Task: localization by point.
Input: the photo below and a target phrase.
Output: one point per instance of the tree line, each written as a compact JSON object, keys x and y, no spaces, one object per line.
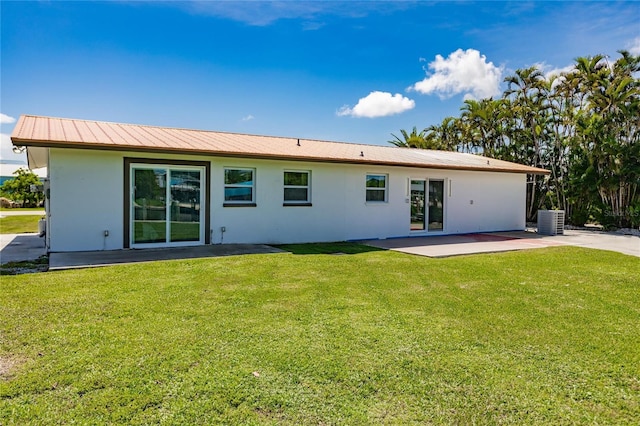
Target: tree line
{"x":19,"y":190}
{"x":582,"y":125}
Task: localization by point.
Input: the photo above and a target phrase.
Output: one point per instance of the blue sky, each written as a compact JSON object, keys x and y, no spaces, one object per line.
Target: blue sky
{"x":345,"y":71}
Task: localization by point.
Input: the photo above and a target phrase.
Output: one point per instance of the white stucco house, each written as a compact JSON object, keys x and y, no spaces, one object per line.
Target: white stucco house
{"x":118,"y":186}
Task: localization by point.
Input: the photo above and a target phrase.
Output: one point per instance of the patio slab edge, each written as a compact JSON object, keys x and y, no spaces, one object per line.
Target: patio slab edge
{"x":93,"y":259}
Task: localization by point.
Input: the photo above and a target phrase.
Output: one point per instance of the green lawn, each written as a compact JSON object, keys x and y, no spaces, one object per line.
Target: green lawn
{"x":19,"y":224}
{"x":546,"y":336}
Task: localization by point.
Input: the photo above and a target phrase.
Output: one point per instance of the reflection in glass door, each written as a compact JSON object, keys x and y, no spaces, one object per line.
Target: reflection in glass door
{"x":149,"y":206}
{"x":185,"y":205}
{"x":436,"y":205}
{"x":166,"y":205}
{"x":417,"y":205}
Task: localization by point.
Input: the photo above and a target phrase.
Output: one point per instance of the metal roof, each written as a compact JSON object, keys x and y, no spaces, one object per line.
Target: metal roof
{"x":38,"y":131}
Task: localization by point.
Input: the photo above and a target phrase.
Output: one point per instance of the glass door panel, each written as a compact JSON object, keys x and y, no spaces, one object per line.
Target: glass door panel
{"x":149,"y":206}
{"x":166,"y":205}
{"x":417,"y":205}
{"x":436,"y":205}
{"x":185,"y":205}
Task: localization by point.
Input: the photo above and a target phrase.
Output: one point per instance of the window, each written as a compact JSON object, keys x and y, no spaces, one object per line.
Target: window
{"x":296,"y":187}
{"x":377,"y":188}
{"x":239,"y":186}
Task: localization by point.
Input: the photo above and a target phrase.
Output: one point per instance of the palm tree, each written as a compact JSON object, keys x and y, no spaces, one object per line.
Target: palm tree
{"x":528,"y":128}
{"x":485,"y":121}
{"x":410,"y":140}
{"x":608,"y":130}
{"x":444,"y":136}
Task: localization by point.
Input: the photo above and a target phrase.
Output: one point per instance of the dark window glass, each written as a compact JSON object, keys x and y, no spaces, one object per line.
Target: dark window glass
{"x":238,"y":185}
{"x":375,"y":195}
{"x":296,"y":178}
{"x":377,"y":188}
{"x":238,"y":177}
{"x":295,"y":194}
{"x":376,"y":181}
{"x":296,"y":187}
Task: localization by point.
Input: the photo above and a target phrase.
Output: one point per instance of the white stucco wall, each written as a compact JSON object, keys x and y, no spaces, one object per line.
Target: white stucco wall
{"x":87,"y":199}
{"x":338,"y":211}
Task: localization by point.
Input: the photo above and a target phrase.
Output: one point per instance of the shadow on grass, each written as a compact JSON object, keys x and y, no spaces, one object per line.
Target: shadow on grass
{"x":328,"y":248}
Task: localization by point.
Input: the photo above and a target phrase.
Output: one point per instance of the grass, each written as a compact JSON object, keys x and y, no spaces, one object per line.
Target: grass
{"x":547,"y":336}
{"x":328,"y":248}
{"x":24,"y":267}
{"x":19,"y":224}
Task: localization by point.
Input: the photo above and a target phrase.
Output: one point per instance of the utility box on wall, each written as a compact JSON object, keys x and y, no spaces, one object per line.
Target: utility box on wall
{"x":551,"y":222}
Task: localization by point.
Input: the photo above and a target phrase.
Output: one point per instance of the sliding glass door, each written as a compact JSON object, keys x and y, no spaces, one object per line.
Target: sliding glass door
{"x":166,"y":205}
{"x":427,"y":207}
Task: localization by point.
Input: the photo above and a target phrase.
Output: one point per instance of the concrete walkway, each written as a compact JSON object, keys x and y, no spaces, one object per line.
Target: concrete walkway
{"x":454,"y":245}
{"x":87,"y":259}
{"x":20,"y":247}
{"x":5,"y":213}
{"x":626,"y":244}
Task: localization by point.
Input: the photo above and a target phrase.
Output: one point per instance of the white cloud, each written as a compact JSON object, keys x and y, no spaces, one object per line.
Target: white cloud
{"x":464,"y":71}
{"x":247,"y":118}
{"x":557,"y":73}
{"x":311,"y":14}
{"x":378,"y":104}
{"x":5,"y":119}
{"x":548,"y":70}
{"x":634,"y":46}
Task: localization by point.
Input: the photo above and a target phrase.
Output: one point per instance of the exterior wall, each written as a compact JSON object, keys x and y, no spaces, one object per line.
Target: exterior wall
{"x":485,"y":202}
{"x":87,"y":199}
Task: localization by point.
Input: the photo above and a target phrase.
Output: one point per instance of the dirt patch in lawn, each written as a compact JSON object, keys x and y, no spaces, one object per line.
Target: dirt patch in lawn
{"x":8,"y":366}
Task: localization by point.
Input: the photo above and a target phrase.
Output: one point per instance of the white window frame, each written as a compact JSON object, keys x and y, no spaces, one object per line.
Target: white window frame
{"x":251,"y":202}
{"x":385,"y":189}
{"x":307,"y":187}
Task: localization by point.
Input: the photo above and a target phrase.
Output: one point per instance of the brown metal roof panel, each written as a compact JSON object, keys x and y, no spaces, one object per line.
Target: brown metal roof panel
{"x":23,"y":128}
{"x":89,"y":132}
{"x":65,"y":132}
{"x":78,"y":132}
{"x":58,"y":132}
{"x":184,"y":139}
{"x":147,"y":137}
{"x":196,"y":139}
{"x":41,"y":130}
{"x":118,"y":135}
{"x":224,"y":142}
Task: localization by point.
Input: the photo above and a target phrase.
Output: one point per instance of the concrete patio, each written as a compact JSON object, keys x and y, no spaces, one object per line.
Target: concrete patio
{"x":455,"y":245}
{"x":86,"y":259}
{"x":20,"y":247}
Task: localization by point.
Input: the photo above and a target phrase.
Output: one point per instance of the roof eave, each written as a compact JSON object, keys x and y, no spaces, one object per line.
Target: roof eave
{"x":102,"y":147}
